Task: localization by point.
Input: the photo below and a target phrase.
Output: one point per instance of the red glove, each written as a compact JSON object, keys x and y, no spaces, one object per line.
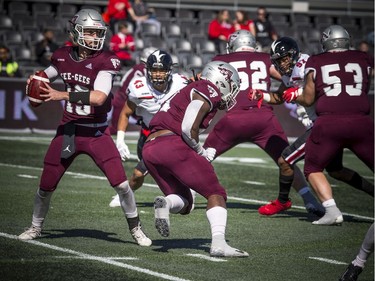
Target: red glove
{"x":256,"y":94}
{"x":291,"y":94}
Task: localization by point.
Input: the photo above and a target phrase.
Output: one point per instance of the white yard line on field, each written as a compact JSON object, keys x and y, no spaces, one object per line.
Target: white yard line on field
{"x":327,"y":260}
{"x":155,"y":186}
{"x":96,"y":258}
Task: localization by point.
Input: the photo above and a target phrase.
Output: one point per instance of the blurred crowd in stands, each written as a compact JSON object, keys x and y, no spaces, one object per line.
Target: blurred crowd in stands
{"x":31,"y":31}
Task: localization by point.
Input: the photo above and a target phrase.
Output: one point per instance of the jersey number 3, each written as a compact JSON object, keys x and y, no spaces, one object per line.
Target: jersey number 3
{"x":334,"y":82}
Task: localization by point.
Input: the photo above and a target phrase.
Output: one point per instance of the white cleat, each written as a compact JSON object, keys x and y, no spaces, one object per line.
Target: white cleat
{"x":227,"y":251}
{"x":161,"y":216}
{"x":31,"y":233}
{"x":140,"y":237}
{"x":328,"y":220}
{"x":115,"y":201}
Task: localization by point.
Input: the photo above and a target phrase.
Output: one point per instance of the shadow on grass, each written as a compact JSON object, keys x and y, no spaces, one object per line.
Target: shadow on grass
{"x":195,"y":244}
{"x":89,"y":233}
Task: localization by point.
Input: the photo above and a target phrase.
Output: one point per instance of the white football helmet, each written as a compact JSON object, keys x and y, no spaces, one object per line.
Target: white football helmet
{"x":226,"y":79}
{"x":241,"y":40}
{"x":335,"y":37}
{"x":88,"y":20}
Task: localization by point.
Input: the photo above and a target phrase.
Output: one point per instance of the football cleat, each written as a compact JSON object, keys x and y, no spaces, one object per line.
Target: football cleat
{"x":329,"y":220}
{"x":161,"y":216}
{"x":140,"y":237}
{"x":351,"y":273}
{"x":115,"y":201}
{"x":227,"y":251}
{"x":31,"y":233}
{"x":274,"y":207}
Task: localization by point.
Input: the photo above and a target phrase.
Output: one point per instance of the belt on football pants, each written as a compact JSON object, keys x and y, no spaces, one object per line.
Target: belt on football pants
{"x":161,"y":133}
{"x":93,"y":125}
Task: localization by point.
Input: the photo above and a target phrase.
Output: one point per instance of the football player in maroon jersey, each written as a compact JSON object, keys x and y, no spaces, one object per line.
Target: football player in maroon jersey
{"x":176,"y":159}
{"x":337,"y":82}
{"x":87,"y":72}
{"x":290,"y":62}
{"x":250,"y":121}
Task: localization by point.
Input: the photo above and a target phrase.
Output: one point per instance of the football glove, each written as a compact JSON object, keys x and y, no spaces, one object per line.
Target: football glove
{"x":259,"y":95}
{"x":303,"y":116}
{"x":121,"y":146}
{"x":209,"y":153}
{"x":291,"y":94}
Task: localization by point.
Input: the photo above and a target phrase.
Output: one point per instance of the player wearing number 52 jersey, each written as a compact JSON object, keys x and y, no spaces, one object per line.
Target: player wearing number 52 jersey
{"x":87,"y":72}
{"x":337,"y":81}
{"x":248,"y":121}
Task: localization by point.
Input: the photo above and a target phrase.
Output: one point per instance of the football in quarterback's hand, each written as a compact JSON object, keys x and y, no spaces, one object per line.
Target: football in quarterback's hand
{"x":33,"y":90}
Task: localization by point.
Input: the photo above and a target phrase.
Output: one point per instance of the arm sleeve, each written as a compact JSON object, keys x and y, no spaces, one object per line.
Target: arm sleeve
{"x":103,"y":82}
{"x":190,"y":116}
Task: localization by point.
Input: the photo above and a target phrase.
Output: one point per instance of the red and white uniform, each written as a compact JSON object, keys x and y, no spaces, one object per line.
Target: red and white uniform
{"x":147,"y":99}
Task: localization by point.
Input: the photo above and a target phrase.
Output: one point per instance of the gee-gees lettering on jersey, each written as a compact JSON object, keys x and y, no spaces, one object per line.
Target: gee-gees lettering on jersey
{"x":341,"y":82}
{"x":80,"y":76}
{"x":172,"y":112}
{"x":253,"y":69}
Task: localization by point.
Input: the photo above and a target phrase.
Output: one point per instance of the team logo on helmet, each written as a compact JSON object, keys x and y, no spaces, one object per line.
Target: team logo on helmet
{"x":227,"y":73}
{"x":159,"y":62}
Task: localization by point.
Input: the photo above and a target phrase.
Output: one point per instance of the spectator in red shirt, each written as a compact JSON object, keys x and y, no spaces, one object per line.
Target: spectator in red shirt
{"x":220,"y":28}
{"x":119,"y":10}
{"x":122,"y":44}
{"x":242,"y":21}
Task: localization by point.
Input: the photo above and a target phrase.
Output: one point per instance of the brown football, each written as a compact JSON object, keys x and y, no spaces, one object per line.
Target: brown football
{"x":33,"y":90}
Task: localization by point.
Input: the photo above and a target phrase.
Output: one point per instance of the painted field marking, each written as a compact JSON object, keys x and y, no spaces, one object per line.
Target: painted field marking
{"x":327,"y":260}
{"x":155,"y":186}
{"x":200,"y":256}
{"x":96,"y":258}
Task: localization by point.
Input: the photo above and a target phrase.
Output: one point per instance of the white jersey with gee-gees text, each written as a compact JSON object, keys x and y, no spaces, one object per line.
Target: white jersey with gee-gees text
{"x":147,"y":99}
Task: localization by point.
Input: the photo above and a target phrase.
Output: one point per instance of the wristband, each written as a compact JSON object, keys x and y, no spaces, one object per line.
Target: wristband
{"x":266,"y":97}
{"x":120,"y":135}
{"x":80,"y":97}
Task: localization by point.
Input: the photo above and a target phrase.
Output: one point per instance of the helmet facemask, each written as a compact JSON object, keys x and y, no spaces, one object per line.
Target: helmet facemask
{"x":90,"y":37}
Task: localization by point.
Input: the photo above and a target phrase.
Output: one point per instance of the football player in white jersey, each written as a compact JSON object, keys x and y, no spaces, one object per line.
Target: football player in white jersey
{"x":290,"y":62}
{"x":145,"y":96}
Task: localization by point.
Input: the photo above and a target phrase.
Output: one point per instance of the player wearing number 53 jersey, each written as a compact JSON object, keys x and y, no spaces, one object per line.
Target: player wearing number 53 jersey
{"x":248,"y":122}
{"x":337,"y":81}
{"x":87,"y":72}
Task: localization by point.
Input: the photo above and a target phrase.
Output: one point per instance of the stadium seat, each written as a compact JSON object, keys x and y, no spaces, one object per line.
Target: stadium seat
{"x":277,"y":18}
{"x":156,"y":42}
{"x":66,"y":10}
{"x":38,"y":9}
{"x":13,"y":38}
{"x":182,"y":46}
{"x":206,"y":47}
{"x":18,"y":8}
{"x":25,"y":22}
{"x":193,"y":62}
{"x":183,"y":15}
{"x":6,"y":23}
{"x":162,"y":14}
{"x":149,"y":30}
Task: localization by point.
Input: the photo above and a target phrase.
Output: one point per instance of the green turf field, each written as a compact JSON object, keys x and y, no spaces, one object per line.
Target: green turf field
{"x":84,"y":239}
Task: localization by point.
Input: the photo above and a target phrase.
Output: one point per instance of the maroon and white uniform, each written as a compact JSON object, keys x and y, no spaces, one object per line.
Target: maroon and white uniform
{"x":121,"y":96}
{"x":175,"y":166}
{"x":342,"y":81}
{"x":245,"y":122}
{"x":91,"y":134}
